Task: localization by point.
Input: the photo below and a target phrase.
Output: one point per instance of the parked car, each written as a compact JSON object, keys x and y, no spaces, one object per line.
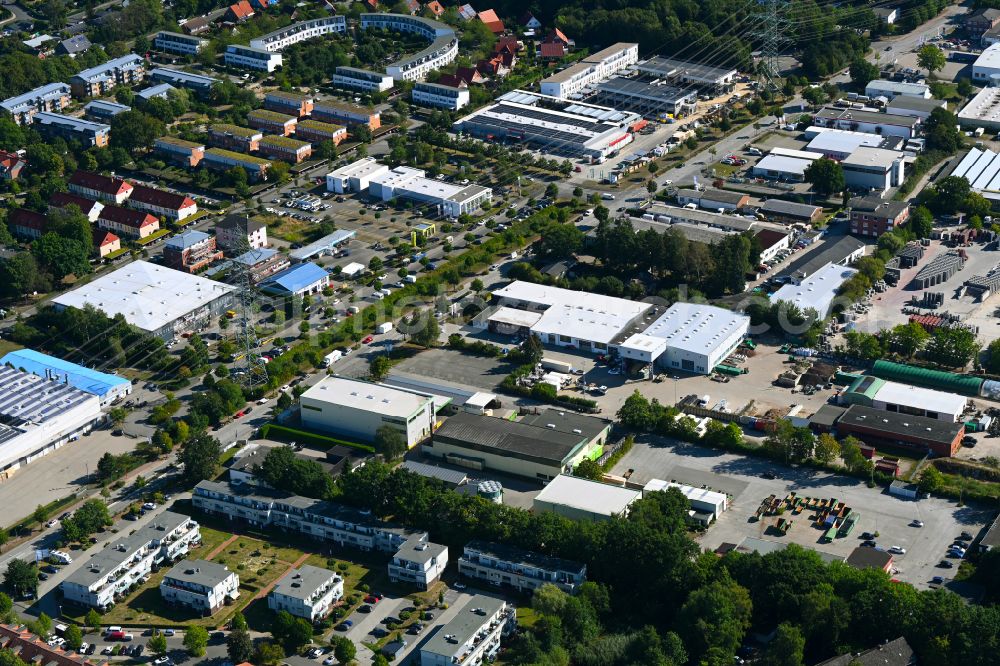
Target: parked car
{"x":937,"y":580}
{"x":897,"y":550}
{"x":365,"y":609}
{"x":169,"y":632}
{"x":945,"y":564}
{"x":345,"y":625}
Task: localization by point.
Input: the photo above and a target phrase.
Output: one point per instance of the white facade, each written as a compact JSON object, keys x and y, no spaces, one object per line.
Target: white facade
{"x":582,"y":499}
{"x":590,"y":322}
{"x":248,"y":57}
{"x":701,"y":500}
{"x":817,"y":291}
{"x":472,"y":637}
{"x":39,"y":415}
{"x":174,"y":42}
{"x":591,"y":70}
{"x":354,"y":177}
{"x":837,"y":144}
{"x":358,"y":409}
{"x":442,"y":50}
{"x":874,"y":169}
{"x":987,"y":65}
{"x":299,"y":32}
{"x":200,"y":585}
{"x":918,"y":401}
{"x":362,"y":79}
{"x":696,"y":338}
{"x":419,"y":563}
{"x":892,"y":89}
{"x":308,"y":592}
{"x":523,"y":570}
{"x":109,"y":574}
{"x":444,"y":97}
{"x":450,"y":200}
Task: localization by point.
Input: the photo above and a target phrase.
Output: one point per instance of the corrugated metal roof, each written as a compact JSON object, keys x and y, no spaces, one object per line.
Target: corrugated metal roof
{"x":945,"y":381}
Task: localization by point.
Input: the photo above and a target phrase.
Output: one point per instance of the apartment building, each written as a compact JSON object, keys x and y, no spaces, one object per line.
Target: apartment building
{"x":233,"y":232}
{"x":220,"y":160}
{"x":109,"y":574}
{"x":176,"y":42}
{"x":418,"y":563}
{"x":285,"y":149}
{"x":873,"y":216}
{"x":234,"y":137}
{"x":191,"y":251}
{"x":316,"y":131}
{"x":27,"y":224}
{"x":272,"y":121}
{"x":442,"y":50}
{"x":161,"y":203}
{"x":179,"y":151}
{"x":92,"y":209}
{"x":107,"y":189}
{"x":308,"y":592}
{"x":347,"y":114}
{"x":365,"y":80}
{"x":298,"y":32}
{"x":127,"y":223}
{"x":319,"y":520}
{"x":440,"y":96}
{"x":87,"y":132}
{"x":247,"y":57}
{"x":101,"y":80}
{"x":200,"y":585}
{"x":473,"y":636}
{"x":198,"y":83}
{"x":296,"y":104}
{"x":523,"y":570}
{"x":22,"y":108}
{"x":102,"y":109}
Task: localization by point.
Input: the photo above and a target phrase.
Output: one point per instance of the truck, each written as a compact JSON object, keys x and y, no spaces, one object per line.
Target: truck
{"x":384,"y":327}
{"x":332,"y":358}
{"x":558,"y":366}
{"x":410,"y":279}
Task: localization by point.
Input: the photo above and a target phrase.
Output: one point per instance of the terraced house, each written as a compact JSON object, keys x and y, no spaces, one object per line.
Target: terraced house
{"x":285,"y":149}
{"x":220,"y":160}
{"x":179,"y":151}
{"x":234,"y":137}
{"x":127,"y":223}
{"x":289,"y":102}
{"x":112,"y":572}
{"x":272,"y":121}
{"x":316,"y":131}
{"x":161,"y":203}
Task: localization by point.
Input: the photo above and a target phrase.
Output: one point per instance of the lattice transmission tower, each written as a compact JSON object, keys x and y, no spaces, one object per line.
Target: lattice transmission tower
{"x":773,"y":37}
{"x":255,"y":370}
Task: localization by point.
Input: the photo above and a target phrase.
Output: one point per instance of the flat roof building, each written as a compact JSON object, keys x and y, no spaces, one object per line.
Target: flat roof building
{"x":886,"y":124}
{"x":818,"y":291}
{"x":591,"y":70}
{"x":357,"y":409}
{"x":582,"y":499}
{"x":39,"y":415}
{"x":308,"y":592}
{"x":893,"y":89}
{"x":247,"y":57}
{"x":418,"y":563}
{"x":444,"y":199}
{"x":713,"y":199}
{"x":108,"y":388}
{"x":442,"y":50}
{"x":325,"y":245}
{"x":646,"y":98}
{"x":688,"y":72}
{"x":503,"y":565}
{"x":880,"y":427}
{"x":298,"y":280}
{"x":790,"y":212}
{"x":439,"y":96}
{"x":837,"y":144}
{"x":72,"y":128}
{"x":983,"y":110}
{"x":552,"y":125}
{"x":918,"y":107}
{"x":987,"y":66}
{"x":102,"y":109}
{"x":534,"y":448}
{"x":282,"y":38}
{"x":200,"y":585}
{"x":783,"y":167}
{"x":364,"y":80}
{"x":981,"y":168}
{"x":873,"y":169}
{"x":157,"y":300}
{"x":176,"y":42}
{"x":197,"y":82}
{"x":905,"y":399}
{"x":356,"y":176}
{"x":472,"y":636}
{"x":706,"y":505}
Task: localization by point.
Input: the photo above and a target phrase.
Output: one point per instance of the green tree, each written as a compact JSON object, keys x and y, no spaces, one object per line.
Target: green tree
{"x":4,"y":538}
{"x":157,"y":644}
{"x":952,"y":347}
{"x":863,"y":72}
{"x":560,"y":241}
{"x":74,"y":637}
{"x":343,"y":649}
{"x":921,"y":222}
{"x":424,"y":329}
{"x":389,"y":442}
{"x":196,"y":640}
{"x":850,"y":451}
{"x":239,"y":645}
{"x":93,"y":619}
{"x":291,"y":632}
{"x":61,"y":256}
{"x":714,"y":620}
{"x":941,"y":129}
{"x":931,"y":58}
{"x":201,"y":458}
{"x":379,"y":367}
{"x":787,"y":648}
{"x":635,"y":412}
{"x":908,"y":339}
{"x":589,"y":469}
{"x":826,"y":176}
{"x":40,"y":515}
{"x":533,"y":349}
{"x":931,"y":480}
{"x":134,"y":130}
{"x":827,"y":448}
{"x":21,"y":577}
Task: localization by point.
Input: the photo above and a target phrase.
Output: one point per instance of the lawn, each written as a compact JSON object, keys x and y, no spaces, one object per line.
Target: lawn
{"x":7,"y":346}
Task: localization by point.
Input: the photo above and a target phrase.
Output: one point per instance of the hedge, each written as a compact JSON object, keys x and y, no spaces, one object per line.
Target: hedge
{"x":286,"y":434}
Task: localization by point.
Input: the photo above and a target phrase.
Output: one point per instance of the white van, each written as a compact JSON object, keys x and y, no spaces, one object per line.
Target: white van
{"x":608,"y":197}
{"x":449,"y":239}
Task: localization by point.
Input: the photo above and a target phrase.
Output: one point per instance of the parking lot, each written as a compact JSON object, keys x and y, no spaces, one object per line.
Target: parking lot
{"x":741,"y":477}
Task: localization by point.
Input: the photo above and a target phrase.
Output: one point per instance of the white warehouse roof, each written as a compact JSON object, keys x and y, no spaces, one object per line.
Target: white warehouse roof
{"x":367,"y":397}
{"x":921,"y":398}
{"x":148,"y":296}
{"x":590,"y":496}
{"x":696,"y":328}
{"x":782,"y":164}
{"x":693,"y":494}
{"x":515,"y":317}
{"x":818,"y":290}
{"x":843,"y":141}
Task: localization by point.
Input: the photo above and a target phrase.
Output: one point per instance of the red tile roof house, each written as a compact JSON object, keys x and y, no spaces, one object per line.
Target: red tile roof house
{"x":470,"y":75}
{"x":452,"y":81}
{"x":128,"y":223}
{"x":102,"y":188}
{"x":507,"y":44}
{"x":106,"y":242}
{"x":11,"y":165}
{"x":172,"y":206}
{"x":30,"y":649}
{"x":435,"y":7}
{"x":494,"y":67}
{"x":551,"y":50}
{"x":412,"y":5}
{"x":89,"y":207}
{"x":239,"y":12}
{"x":492,"y":21}
{"x":27,"y":224}
{"x":559,"y":36}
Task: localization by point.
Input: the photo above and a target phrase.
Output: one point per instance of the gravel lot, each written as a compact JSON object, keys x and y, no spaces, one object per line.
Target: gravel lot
{"x":740,"y":477}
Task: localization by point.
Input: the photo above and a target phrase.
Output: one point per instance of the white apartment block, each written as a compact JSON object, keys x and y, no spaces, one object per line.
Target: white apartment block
{"x":501,"y":565}
{"x":175,"y":42}
{"x":109,"y":574}
{"x":361,"y":79}
{"x":234,"y":232}
{"x":299,"y":32}
{"x":473,"y":636}
{"x":200,"y":585}
{"x":442,"y":50}
{"x":248,"y":57}
{"x":591,"y":70}
{"x":440,"y":96}
{"x":308,"y":592}
{"x":419,"y":563}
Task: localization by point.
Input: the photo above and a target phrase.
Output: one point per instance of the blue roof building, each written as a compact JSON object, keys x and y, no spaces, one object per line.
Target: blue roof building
{"x":106,"y":387}
{"x":301,"y":279}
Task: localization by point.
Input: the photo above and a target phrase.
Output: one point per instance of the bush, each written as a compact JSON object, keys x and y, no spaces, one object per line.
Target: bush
{"x":285,"y":434}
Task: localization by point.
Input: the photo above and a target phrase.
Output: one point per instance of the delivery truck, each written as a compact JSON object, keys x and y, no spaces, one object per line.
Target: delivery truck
{"x":332,"y":358}
{"x":558,"y":366}
{"x":384,"y":327}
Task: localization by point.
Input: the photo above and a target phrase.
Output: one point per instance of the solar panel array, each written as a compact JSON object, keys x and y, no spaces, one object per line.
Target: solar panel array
{"x":981,"y":168}
{"x":27,"y":398}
